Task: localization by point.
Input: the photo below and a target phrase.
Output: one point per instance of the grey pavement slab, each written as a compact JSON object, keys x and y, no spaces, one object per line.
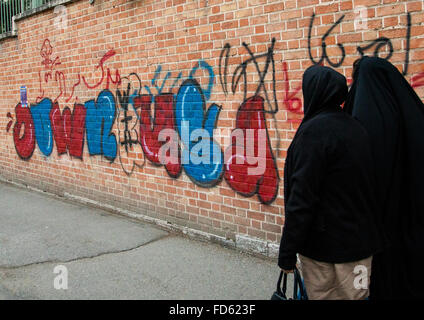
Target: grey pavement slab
{"x":173,"y":268}
{"x":112,"y":257}
{"x":37,"y":228}
{"x":6,"y":294}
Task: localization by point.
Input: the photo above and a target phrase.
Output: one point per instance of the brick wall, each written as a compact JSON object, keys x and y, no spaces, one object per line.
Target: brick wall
{"x":102,"y":80}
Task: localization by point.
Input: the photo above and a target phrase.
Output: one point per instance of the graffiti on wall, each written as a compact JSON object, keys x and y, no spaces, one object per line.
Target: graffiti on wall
{"x":417,"y":80}
{"x":189,"y":118}
{"x":378,"y":44}
{"x":50,"y":72}
{"x":240,"y":164}
{"x":176,"y":119}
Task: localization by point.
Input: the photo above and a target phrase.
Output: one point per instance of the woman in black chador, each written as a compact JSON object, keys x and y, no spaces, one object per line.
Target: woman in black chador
{"x":328,"y":194}
{"x":393,"y":115}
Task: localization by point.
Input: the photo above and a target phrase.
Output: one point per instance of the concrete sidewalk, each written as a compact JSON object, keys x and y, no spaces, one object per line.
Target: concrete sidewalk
{"x":112,"y":257}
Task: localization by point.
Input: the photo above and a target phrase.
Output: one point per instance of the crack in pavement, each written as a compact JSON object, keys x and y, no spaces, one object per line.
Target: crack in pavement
{"x":9,"y":268}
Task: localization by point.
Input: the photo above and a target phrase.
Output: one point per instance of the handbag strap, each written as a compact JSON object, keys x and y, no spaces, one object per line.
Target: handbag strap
{"x":295,"y":284}
{"x":283,"y":277}
{"x":298,"y":284}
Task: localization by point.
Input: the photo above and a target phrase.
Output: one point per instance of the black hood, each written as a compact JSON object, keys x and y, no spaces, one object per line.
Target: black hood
{"x":323,"y":89}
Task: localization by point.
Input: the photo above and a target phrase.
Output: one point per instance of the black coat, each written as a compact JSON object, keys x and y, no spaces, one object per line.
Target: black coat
{"x":393,"y":115}
{"x":329,"y":183}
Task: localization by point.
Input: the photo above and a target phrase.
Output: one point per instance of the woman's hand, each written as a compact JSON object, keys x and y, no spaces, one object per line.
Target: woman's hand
{"x":287,"y":271}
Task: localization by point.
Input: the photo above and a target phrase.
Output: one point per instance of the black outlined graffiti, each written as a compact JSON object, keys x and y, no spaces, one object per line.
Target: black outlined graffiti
{"x":324,"y":45}
{"x":241,"y":72}
{"x":379,"y":44}
{"x":224,"y":73}
{"x":384,"y":41}
{"x":408,"y":44}
{"x":251,"y":116}
{"x":129,"y":142}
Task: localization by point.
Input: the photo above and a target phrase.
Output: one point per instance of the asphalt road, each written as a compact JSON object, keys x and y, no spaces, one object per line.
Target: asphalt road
{"x":112,"y":257}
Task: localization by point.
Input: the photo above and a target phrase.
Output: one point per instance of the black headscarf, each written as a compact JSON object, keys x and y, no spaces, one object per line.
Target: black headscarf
{"x":393,"y":114}
{"x":323,"y":89}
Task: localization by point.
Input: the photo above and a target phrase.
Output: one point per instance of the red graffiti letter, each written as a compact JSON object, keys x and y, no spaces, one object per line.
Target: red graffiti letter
{"x":251,"y":117}
{"x":150,"y":128}
{"x":25,"y":145}
{"x":68,"y":129}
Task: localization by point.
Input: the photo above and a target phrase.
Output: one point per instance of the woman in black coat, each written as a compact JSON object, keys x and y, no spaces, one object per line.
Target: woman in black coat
{"x":329,"y":194}
{"x":393,"y":115}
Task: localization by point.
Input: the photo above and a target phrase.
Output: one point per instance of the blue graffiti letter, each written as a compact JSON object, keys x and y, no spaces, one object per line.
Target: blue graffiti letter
{"x":190,"y":116}
{"x":99,"y":121}
{"x":43,"y":129}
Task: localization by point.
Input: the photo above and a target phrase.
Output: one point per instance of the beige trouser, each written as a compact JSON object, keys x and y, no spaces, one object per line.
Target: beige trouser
{"x":336,"y":281}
